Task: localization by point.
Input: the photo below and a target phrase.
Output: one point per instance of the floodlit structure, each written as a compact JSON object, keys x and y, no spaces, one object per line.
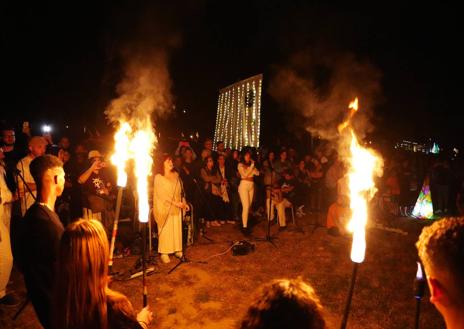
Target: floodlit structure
{"x":238,"y":114}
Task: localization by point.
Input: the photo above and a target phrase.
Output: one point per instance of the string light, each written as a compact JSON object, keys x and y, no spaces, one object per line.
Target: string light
{"x":218,"y":117}
{"x":259,"y":110}
{"x":238,"y":118}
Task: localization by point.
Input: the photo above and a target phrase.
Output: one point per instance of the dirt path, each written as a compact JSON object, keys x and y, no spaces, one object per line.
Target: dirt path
{"x":216,"y":294}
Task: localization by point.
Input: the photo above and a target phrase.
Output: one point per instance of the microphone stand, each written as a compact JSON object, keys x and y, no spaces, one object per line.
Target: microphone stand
{"x":18,"y":174}
{"x":268,"y":237}
{"x":183,"y":259}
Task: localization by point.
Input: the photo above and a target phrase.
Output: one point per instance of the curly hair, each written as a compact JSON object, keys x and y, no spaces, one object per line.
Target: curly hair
{"x":285,"y":304}
{"x":441,"y":247}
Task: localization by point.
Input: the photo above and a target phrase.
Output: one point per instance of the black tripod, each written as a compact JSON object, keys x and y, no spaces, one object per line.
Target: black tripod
{"x":268,"y":237}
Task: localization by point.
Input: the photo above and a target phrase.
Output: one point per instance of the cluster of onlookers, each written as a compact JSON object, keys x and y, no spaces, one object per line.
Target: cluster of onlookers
{"x":405,"y":176}
{"x":228,"y":185}
{"x":62,"y":206}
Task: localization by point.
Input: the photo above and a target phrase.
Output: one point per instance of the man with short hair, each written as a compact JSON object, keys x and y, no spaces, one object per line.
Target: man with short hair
{"x":26,"y":185}
{"x":441,"y":250}
{"x":40,"y":234}
{"x":12,"y":156}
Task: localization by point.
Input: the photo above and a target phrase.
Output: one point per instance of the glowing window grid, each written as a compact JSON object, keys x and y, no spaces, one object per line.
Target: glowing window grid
{"x":238,"y":116}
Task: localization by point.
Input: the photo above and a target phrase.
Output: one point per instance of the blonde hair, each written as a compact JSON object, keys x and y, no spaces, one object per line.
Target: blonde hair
{"x":441,"y":248}
{"x":81,"y":293}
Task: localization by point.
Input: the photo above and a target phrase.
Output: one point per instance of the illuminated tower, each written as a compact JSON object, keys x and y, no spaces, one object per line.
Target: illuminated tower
{"x":238,"y":114}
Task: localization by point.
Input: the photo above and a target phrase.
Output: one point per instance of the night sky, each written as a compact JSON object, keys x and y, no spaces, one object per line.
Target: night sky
{"x":62,"y":62}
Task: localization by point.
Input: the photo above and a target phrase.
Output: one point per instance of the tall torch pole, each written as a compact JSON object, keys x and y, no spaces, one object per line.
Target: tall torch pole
{"x":115,"y":228}
{"x":119,"y":159}
{"x":364,"y":164}
{"x":142,"y":145}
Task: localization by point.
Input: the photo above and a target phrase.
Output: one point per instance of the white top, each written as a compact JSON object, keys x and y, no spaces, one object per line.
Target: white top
{"x":23,"y":167}
{"x":247,"y":172}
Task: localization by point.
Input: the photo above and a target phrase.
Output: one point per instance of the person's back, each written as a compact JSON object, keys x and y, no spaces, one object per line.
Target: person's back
{"x":285,"y":304}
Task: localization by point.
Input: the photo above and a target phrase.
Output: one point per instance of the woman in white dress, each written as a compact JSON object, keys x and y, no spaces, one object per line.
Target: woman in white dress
{"x":168,"y":205}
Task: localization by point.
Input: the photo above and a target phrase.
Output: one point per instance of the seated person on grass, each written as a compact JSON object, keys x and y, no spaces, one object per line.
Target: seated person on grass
{"x":339,"y":211}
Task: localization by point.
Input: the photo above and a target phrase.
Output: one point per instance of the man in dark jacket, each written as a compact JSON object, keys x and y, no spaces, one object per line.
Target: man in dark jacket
{"x":40,"y":236}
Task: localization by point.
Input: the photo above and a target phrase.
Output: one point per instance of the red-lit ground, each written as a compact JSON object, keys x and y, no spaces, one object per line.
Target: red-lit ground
{"x":216,"y":294}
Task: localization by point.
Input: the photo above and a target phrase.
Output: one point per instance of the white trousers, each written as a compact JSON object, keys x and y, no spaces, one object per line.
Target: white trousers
{"x":246,"y":190}
{"x":280,"y":210}
{"x":6,"y":258}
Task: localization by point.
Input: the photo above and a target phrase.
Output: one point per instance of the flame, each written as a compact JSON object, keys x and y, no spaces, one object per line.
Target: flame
{"x":121,"y":152}
{"x":142,"y":146}
{"x":419,"y":273}
{"x":353,"y":106}
{"x":364,"y":164}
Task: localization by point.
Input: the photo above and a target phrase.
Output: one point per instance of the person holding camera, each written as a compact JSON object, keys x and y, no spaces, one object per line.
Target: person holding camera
{"x":96,"y":190}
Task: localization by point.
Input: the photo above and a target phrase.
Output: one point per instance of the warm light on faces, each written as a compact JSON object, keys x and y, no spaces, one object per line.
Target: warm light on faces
{"x":8,"y":137}
{"x":38,"y":150}
{"x":168,"y":165}
{"x":55,"y":177}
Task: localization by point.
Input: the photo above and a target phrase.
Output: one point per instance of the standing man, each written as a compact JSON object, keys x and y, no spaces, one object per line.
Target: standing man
{"x":96,"y":189}
{"x":441,"y":250}
{"x":40,"y":233}
{"x":12,"y":155}
{"x":27,"y":187}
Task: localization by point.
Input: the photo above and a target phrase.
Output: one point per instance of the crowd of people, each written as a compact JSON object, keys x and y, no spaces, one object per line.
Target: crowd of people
{"x":61,"y":200}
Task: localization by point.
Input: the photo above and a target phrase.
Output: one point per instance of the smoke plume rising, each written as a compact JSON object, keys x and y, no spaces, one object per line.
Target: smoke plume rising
{"x":318,"y":86}
{"x":144,"y":46}
{"x":145,"y":90}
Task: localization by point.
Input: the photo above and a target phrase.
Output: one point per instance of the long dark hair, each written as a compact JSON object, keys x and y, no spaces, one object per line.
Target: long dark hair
{"x":159,"y":163}
{"x":245,"y":152}
{"x":285,"y":304}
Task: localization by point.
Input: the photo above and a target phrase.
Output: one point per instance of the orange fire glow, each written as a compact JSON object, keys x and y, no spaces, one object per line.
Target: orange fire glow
{"x":142,"y":146}
{"x":121,"y":152}
{"x":138,"y":144}
{"x":363,"y":165}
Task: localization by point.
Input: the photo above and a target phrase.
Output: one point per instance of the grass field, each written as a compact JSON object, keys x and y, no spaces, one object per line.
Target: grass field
{"x":216,"y":294}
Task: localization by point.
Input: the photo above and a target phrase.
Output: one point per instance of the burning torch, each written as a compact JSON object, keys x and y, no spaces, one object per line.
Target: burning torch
{"x":364,"y":163}
{"x":419,"y":289}
{"x":119,"y":159}
{"x":142,"y":146}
